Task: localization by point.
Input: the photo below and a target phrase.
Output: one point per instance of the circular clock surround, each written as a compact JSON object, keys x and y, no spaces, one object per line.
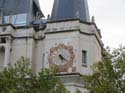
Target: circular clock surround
{"x":61,"y":57}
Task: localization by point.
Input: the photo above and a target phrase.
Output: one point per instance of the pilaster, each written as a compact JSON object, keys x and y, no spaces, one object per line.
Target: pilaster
{"x":7,"y":51}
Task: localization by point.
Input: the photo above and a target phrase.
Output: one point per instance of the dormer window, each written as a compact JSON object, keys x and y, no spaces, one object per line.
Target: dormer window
{"x":17,"y":20}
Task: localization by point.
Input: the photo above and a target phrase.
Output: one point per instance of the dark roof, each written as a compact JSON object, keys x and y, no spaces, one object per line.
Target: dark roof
{"x":37,"y":3}
{"x":17,"y":6}
{"x":14,"y":7}
{"x":1,"y":2}
{"x":69,"y":9}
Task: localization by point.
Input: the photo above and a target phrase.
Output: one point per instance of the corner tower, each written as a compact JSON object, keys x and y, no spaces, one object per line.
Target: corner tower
{"x":72,"y":43}
{"x":70,"y":9}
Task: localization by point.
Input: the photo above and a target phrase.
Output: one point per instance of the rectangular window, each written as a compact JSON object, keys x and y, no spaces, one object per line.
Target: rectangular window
{"x":6,"y":19}
{"x":84,"y":57}
{"x":16,"y":20}
{"x":20,"y":19}
{"x":43,"y":60}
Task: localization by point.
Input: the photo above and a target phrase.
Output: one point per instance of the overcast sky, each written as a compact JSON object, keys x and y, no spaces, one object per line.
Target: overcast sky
{"x":109,"y":17}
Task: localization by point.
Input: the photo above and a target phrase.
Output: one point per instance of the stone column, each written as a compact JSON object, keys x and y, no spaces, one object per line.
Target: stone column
{"x":7,"y":51}
{"x":2,"y":60}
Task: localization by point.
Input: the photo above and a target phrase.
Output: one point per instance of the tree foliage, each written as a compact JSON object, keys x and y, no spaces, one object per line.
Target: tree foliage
{"x":49,"y":83}
{"x":19,"y":78}
{"x":109,"y":74}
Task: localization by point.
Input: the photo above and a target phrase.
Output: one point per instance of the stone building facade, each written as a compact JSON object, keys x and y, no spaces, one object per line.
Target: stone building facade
{"x":72,"y":45}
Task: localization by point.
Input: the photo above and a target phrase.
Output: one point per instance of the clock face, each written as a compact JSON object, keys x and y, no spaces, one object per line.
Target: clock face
{"x":61,"y":56}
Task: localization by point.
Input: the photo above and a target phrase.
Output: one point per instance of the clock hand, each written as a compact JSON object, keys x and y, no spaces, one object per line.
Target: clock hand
{"x":62,"y":58}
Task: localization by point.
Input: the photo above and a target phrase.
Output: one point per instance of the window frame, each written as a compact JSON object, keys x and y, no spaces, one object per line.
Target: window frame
{"x":84,"y":58}
{"x":16,"y":20}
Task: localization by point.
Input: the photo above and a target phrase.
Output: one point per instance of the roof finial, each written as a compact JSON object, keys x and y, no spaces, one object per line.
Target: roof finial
{"x":93,"y":19}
